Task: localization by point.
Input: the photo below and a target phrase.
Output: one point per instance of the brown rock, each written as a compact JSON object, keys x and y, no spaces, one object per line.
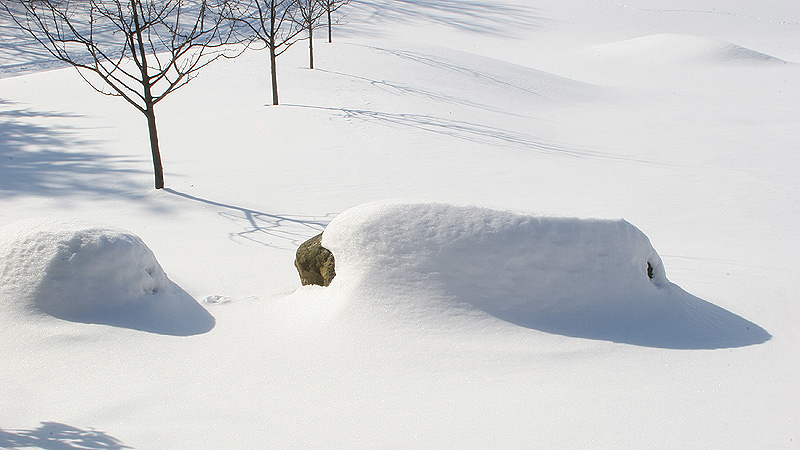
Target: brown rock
{"x":314,"y":263}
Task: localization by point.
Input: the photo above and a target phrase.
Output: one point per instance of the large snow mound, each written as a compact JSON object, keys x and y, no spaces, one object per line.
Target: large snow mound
{"x":671,"y":48}
{"x":93,"y":274}
{"x":598,"y":279}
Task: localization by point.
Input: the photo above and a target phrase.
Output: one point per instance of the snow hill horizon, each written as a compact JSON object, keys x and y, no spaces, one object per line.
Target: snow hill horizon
{"x":558,"y":224}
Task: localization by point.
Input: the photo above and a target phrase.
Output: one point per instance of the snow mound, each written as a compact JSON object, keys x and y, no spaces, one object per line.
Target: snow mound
{"x":670,"y":48}
{"x":93,"y":274}
{"x":598,"y":279}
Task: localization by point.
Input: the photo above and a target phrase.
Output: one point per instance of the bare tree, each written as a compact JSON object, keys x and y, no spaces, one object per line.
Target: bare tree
{"x":139,"y":50}
{"x":306,"y":15}
{"x":268,"y":22}
{"x":330,"y":7}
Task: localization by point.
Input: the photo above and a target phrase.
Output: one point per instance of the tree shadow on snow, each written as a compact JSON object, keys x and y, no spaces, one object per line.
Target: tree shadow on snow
{"x":398,"y":88}
{"x":20,"y":52}
{"x":474,"y":132}
{"x":281,"y":231}
{"x":38,"y":159}
{"x":444,"y":65}
{"x":58,"y":436}
{"x":491,"y":18}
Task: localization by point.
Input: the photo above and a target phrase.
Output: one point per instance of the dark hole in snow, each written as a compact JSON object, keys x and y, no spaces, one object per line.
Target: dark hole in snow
{"x":649,"y":270}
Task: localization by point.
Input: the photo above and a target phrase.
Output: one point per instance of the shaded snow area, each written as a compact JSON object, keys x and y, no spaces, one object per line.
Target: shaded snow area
{"x":598,"y":279}
{"x":92,"y":275}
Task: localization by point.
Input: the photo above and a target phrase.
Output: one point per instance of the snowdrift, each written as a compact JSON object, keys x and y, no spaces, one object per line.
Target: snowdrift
{"x":598,"y":279}
{"x":674,"y":48}
{"x":93,"y":274}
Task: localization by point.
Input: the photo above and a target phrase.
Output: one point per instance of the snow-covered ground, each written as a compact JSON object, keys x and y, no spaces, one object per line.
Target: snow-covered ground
{"x":502,"y":303}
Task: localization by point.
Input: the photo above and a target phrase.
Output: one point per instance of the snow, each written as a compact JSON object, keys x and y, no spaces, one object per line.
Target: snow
{"x":501,"y":304}
{"x":598,"y":279}
{"x":672,"y":48}
{"x":93,"y":274}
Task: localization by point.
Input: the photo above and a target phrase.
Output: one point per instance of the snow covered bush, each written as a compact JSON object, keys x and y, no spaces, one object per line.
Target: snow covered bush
{"x":590,"y":278}
{"x":93,"y":274}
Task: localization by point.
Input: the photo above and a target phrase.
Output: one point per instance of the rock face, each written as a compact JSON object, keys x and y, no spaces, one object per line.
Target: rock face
{"x":314,"y":263}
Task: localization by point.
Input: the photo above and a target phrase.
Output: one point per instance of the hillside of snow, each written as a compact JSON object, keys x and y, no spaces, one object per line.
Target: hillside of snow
{"x":557,"y":224}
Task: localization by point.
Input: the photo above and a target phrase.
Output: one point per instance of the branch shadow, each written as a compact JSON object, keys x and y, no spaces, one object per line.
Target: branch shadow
{"x":397,"y":88}
{"x":270,"y":230}
{"x":20,"y":53}
{"x":474,"y":132}
{"x":447,"y":66}
{"x":492,"y":18}
{"x":48,"y":159}
{"x":58,"y":436}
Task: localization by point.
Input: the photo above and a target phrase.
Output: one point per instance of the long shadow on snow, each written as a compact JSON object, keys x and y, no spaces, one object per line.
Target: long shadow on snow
{"x":472,"y":132}
{"x":397,"y":88}
{"x":448,"y":66}
{"x":39,"y":159}
{"x":665,"y":317}
{"x":683,"y":322}
{"x":264,"y":228}
{"x":491,"y":18}
{"x":58,"y":436}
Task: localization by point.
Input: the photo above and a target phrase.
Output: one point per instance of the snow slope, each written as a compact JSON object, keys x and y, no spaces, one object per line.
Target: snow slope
{"x":666,"y":113}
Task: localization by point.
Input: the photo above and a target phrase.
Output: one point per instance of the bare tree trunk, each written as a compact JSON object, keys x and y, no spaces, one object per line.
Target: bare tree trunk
{"x":311,"y":47}
{"x":158,"y":169}
{"x":149,"y":106}
{"x":272,"y":44}
{"x":330,"y":34}
{"x":274,"y":73}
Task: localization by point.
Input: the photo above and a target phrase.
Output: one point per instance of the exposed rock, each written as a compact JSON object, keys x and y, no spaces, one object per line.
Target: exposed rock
{"x":314,"y":262}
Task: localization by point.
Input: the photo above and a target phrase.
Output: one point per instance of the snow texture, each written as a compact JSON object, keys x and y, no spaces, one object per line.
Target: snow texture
{"x":93,"y":274}
{"x":598,"y":279}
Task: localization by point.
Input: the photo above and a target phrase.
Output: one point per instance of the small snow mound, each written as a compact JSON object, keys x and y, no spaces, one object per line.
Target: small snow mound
{"x":671,"y":48}
{"x":92,"y":274}
{"x":590,"y":278}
